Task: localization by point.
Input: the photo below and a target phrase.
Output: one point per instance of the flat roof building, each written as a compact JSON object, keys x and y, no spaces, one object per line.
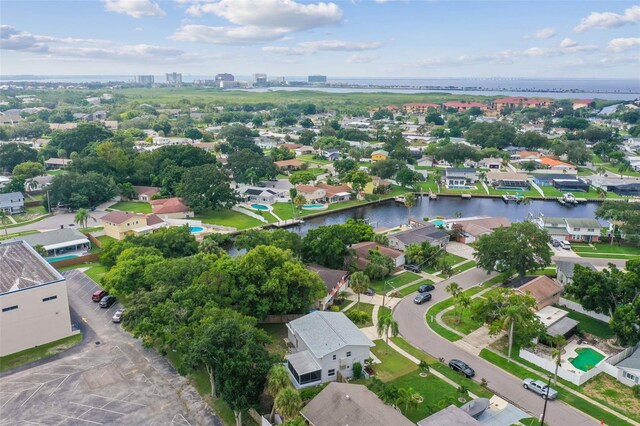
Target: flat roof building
{"x":317,"y":79}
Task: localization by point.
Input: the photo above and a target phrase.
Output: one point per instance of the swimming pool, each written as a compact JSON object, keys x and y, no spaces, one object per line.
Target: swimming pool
{"x":461,"y":187}
{"x":195,"y":229}
{"x":510,"y":188}
{"x":313,"y":207}
{"x":438,"y":222}
{"x":59,"y":258}
{"x":587,"y":359}
{"x":260,"y":207}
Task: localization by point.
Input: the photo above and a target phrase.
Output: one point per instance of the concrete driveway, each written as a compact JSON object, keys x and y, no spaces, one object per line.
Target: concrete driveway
{"x":411,"y":319}
{"x":109,"y":379}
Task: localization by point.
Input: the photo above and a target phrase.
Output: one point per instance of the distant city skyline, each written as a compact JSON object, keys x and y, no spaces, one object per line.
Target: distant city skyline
{"x":376,"y":38}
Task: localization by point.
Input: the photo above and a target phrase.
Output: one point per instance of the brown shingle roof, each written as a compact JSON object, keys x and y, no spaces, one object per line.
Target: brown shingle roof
{"x":285,"y":163}
{"x":168,"y":205}
{"x":119,"y":217}
{"x":362,"y":249}
{"x":540,"y":288}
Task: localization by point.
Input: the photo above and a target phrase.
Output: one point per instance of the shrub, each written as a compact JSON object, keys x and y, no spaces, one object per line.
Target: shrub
{"x":358,"y":317}
{"x":635,"y":388}
{"x":357,"y":370}
{"x":371,"y":197}
{"x":334,"y":308}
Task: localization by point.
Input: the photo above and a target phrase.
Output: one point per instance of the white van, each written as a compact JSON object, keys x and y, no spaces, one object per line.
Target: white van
{"x":565,"y":245}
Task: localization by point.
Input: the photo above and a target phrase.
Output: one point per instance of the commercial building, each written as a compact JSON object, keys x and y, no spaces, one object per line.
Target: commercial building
{"x":224,"y":77}
{"x":34,"y":307}
{"x":173,"y":78}
{"x":144,"y":79}
{"x":317,"y":79}
{"x":260,"y":79}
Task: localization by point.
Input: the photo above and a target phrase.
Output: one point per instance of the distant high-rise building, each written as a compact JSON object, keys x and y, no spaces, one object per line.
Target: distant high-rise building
{"x":143,"y":79}
{"x":225,"y":77}
{"x":278,"y":80}
{"x":260,"y":78}
{"x":205,"y":82}
{"x":174,"y":78}
{"x":317,"y":79}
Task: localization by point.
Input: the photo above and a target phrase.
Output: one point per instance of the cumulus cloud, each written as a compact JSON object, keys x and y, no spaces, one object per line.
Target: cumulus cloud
{"x":311,"y":47}
{"x":361,"y":59}
{"x":12,"y":38}
{"x":543,"y":33}
{"x":622,"y":44}
{"x":253,"y":21}
{"x":134,"y":8}
{"x":605,"y":20}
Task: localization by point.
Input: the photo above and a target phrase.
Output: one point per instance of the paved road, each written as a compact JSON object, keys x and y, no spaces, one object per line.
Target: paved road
{"x":109,"y":379}
{"x":410,"y":318}
{"x":55,"y":221}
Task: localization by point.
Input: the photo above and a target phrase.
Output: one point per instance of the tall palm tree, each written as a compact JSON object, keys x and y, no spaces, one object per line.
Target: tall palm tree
{"x":463,"y":302}
{"x":623,"y":167}
{"x":288,"y":402}
{"x":277,"y":379}
{"x":453,"y":289}
{"x":387,"y":325}
{"x":510,"y":316}
{"x":558,"y":345}
{"x":3,"y":215}
{"x":407,"y":398}
{"x":409,"y":202}
{"x":82,"y":217}
{"x":359,"y":283}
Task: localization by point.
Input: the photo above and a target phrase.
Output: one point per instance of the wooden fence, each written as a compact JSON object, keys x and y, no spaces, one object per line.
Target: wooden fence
{"x":92,"y":257}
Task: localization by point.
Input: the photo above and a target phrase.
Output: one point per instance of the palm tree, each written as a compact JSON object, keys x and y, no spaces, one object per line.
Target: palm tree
{"x":556,"y":353}
{"x":463,"y":302}
{"x":601,"y":170}
{"x":32,"y":184}
{"x":299,"y":201}
{"x":82,"y":217}
{"x":453,"y":289}
{"x":407,"y":398}
{"x":288,"y":402}
{"x":423,"y":367}
{"x":359,"y":283}
{"x":277,"y":379}
{"x":510,"y":316}
{"x":387,"y":325}
{"x":624,"y":167}
{"x":3,"y":215}
{"x":410,"y":201}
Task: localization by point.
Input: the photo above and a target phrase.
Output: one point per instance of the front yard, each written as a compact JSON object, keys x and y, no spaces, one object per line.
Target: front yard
{"x":393,"y":364}
{"x":132,"y":206}
{"x":389,"y":283}
{"x":462,"y":320}
{"x":610,"y":251}
{"x":607,"y":389}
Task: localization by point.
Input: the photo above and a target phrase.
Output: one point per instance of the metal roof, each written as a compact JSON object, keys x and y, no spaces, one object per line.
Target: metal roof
{"x":303,"y":362}
{"x":633,"y":361}
{"x":562,"y":327}
{"x":55,"y":239}
{"x":23,"y":268}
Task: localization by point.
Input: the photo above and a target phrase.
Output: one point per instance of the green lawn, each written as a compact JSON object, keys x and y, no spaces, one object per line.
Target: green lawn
{"x":413,"y":288}
{"x":55,"y":172}
{"x":464,"y":321}
{"x":551,"y":271}
{"x":309,"y":159}
{"x":34,"y":354}
{"x":603,"y":248}
{"x":132,"y":206}
{"x":393,"y":364}
{"x":105,"y":239}
{"x":30,"y":214}
{"x":393,"y":282}
{"x":96,"y":272}
{"x":451,"y":260}
{"x":277,"y":332}
{"x":228,"y":218}
{"x":460,"y":269}
{"x":609,"y":391}
{"x":383,"y":311}
{"x":591,"y":325}
{"x":367,"y":308}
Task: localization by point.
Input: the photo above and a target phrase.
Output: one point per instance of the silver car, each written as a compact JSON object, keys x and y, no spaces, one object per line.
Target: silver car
{"x":117,"y":317}
{"x":540,"y":388}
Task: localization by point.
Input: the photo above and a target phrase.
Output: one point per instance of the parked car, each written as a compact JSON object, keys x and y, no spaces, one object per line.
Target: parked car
{"x":117,"y":317}
{"x":98,"y":295}
{"x":565,"y":245}
{"x":555,"y":243}
{"x":107,"y":301}
{"x":425,"y":288}
{"x":462,"y":367}
{"x":370,"y":292}
{"x":540,"y":388}
{"x":421,"y":298}
{"x":412,"y":267}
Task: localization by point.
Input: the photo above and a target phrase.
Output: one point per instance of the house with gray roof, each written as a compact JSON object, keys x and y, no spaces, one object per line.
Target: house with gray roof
{"x":570,"y":229}
{"x":564,"y":274}
{"x":417,"y":235}
{"x":324,"y":345}
{"x":59,"y":242}
{"x":459,"y":176}
{"x":12,"y":203}
{"x":629,"y":368}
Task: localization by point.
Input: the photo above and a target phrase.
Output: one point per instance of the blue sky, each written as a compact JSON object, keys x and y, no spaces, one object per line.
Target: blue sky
{"x":373,"y":38}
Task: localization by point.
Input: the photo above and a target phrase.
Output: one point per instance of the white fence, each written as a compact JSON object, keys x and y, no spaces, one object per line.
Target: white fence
{"x":549,"y":365}
{"x":574,"y":306}
{"x":614,"y":359}
{"x":249,"y":213}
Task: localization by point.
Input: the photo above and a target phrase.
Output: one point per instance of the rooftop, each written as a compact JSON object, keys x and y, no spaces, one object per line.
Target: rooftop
{"x":118,"y":217}
{"x":567,"y":267}
{"x":23,"y":268}
{"x":362,"y":249}
{"x":58,"y":237}
{"x":451,"y":415}
{"x":632,"y":361}
{"x":331,"y":277}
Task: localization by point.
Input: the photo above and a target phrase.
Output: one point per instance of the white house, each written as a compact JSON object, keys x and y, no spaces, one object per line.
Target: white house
{"x":491,"y":163}
{"x":324,"y":345}
{"x":459,"y":176}
{"x":629,"y":368}
{"x":570,"y":229}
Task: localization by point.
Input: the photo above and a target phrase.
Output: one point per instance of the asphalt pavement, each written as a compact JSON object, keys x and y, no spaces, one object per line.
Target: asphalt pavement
{"x":411,"y":320}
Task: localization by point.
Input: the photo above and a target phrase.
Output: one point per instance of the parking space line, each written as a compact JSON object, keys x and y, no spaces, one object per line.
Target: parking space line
{"x":98,"y":408}
{"x":119,"y":400}
{"x":77,"y":418}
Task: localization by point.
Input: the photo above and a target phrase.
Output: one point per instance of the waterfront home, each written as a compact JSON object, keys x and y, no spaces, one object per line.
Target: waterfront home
{"x":542,"y":288}
{"x":361,"y":252}
{"x":379,"y":155}
{"x":336,"y":193}
{"x":418,"y":235}
{"x":311,"y":193}
{"x":56,"y":163}
{"x":324,"y":347}
{"x":288,"y":165}
{"x":352,"y":405}
{"x":459,"y":176}
{"x":259,"y":194}
{"x":59,"y":242}
{"x":173,"y":208}
{"x":490,"y":163}
{"x":565,"y":268}
{"x":570,"y":229}
{"x":119,"y":224}
{"x":145,"y":193}
{"x":508,"y":180}
{"x":335,"y":281}
{"x":378,"y":182}
{"x":474,"y":227}
{"x":12,"y":203}
{"x":626,"y":186}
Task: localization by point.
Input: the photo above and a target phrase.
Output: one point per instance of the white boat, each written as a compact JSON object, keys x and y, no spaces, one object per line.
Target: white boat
{"x":569,"y":198}
{"x":508,"y":198}
{"x":399,"y":199}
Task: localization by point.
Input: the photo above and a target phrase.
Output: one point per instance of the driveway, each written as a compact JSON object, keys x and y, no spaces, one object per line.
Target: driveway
{"x":109,"y":379}
{"x":410,"y":318}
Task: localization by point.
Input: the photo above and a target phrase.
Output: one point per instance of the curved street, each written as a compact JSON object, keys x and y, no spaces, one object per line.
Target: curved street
{"x":411,"y":320}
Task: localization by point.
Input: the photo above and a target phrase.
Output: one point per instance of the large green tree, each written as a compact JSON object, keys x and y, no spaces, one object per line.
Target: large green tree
{"x":76,"y":140}
{"x":627,"y":213}
{"x":327,"y":245}
{"x":280,"y":238}
{"x":496,"y":135}
{"x":28,"y":169}
{"x":520,"y":248}
{"x":87,"y":190}
{"x":12,"y":154}
{"x":206,"y":187}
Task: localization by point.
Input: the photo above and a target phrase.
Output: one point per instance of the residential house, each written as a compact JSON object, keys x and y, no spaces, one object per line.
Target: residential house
{"x":287,"y":165}
{"x":12,"y":203}
{"x":331,"y":154}
{"x":427,"y":161}
{"x":311,"y":193}
{"x":33,"y":300}
{"x":259,"y":194}
{"x":324,"y":346}
{"x":419,"y":108}
{"x":377,"y":182}
{"x":379,"y":155}
{"x":464,"y":106}
{"x":335,"y":281}
{"x":554,"y":164}
{"x":490,"y":163}
{"x":4,"y":180}
{"x":38,"y":183}
{"x":361,"y":254}
{"x":145,"y":193}
{"x":570,"y":184}
{"x":622,"y":186}
{"x":548,"y":178}
{"x":570,"y":229}
{"x":56,"y":163}
{"x":565,"y":268}
{"x":173,"y":208}
{"x":59,"y":242}
{"x":427,"y":233}
{"x":629,"y":368}
{"x":62,"y":126}
{"x":291,"y":146}
{"x":508,"y":180}
{"x":336,"y":193}
{"x":450,"y":415}
{"x":542,"y":288}
{"x":556,"y":322}
{"x":526,"y":155}
{"x":582,"y":103}
{"x":474,"y":227}
{"x":119,"y":224}
{"x":304,"y":150}
{"x":352,"y":405}
{"x":459,"y":176}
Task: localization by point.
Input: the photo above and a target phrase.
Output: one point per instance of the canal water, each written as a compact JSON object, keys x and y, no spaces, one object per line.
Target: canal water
{"x":391,"y":213}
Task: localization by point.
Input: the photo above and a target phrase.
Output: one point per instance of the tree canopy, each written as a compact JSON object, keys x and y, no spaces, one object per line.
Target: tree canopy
{"x":206,"y":187}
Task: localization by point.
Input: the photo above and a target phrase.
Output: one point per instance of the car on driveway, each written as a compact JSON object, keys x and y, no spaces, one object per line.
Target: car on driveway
{"x":540,"y":388}
{"x":555,"y":243}
{"x":98,"y":295}
{"x":117,"y":317}
{"x":370,"y":292}
{"x":412,"y":267}
{"x":421,"y":298}
{"x":425,"y":288}
{"x":462,"y":367}
{"x":107,"y":301}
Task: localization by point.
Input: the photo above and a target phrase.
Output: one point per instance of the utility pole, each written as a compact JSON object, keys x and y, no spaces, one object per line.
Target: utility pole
{"x":546,"y":398}
{"x":48,"y":202}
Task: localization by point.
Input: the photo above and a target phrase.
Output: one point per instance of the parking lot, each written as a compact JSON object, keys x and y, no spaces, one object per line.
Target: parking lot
{"x":109,"y":379}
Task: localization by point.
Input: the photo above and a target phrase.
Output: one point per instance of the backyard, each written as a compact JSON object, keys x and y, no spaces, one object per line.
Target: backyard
{"x":132,"y":206}
{"x":228,"y":218}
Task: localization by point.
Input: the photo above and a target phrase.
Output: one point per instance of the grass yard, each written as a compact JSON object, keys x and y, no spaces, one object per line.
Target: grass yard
{"x":228,"y":218}
{"x":551,"y":271}
{"x":393,"y":365}
{"x":30,"y":214}
{"x":367,"y":308}
{"x":463,"y":321}
{"x":132,"y":206}
{"x":393,"y":282}
{"x":96,"y":271}
{"x":460,"y":269}
{"x":383,"y":311}
{"x":450,"y":258}
{"x":413,"y":288}
{"x":605,"y":249}
{"x":40,"y":352}
{"x":277,"y":332}
{"x":105,"y":239}
{"x":608,"y":390}
{"x":55,"y":172}
{"x":309,"y":159}
{"x":591,"y":325}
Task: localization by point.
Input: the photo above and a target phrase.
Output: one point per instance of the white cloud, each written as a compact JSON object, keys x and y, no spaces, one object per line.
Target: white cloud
{"x":361,"y":59}
{"x":311,"y":47}
{"x":253,"y":22}
{"x":622,"y":44}
{"x":543,"y":33}
{"x":12,"y":38}
{"x":609,"y":19}
{"x":567,"y":42}
{"x":134,"y":8}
